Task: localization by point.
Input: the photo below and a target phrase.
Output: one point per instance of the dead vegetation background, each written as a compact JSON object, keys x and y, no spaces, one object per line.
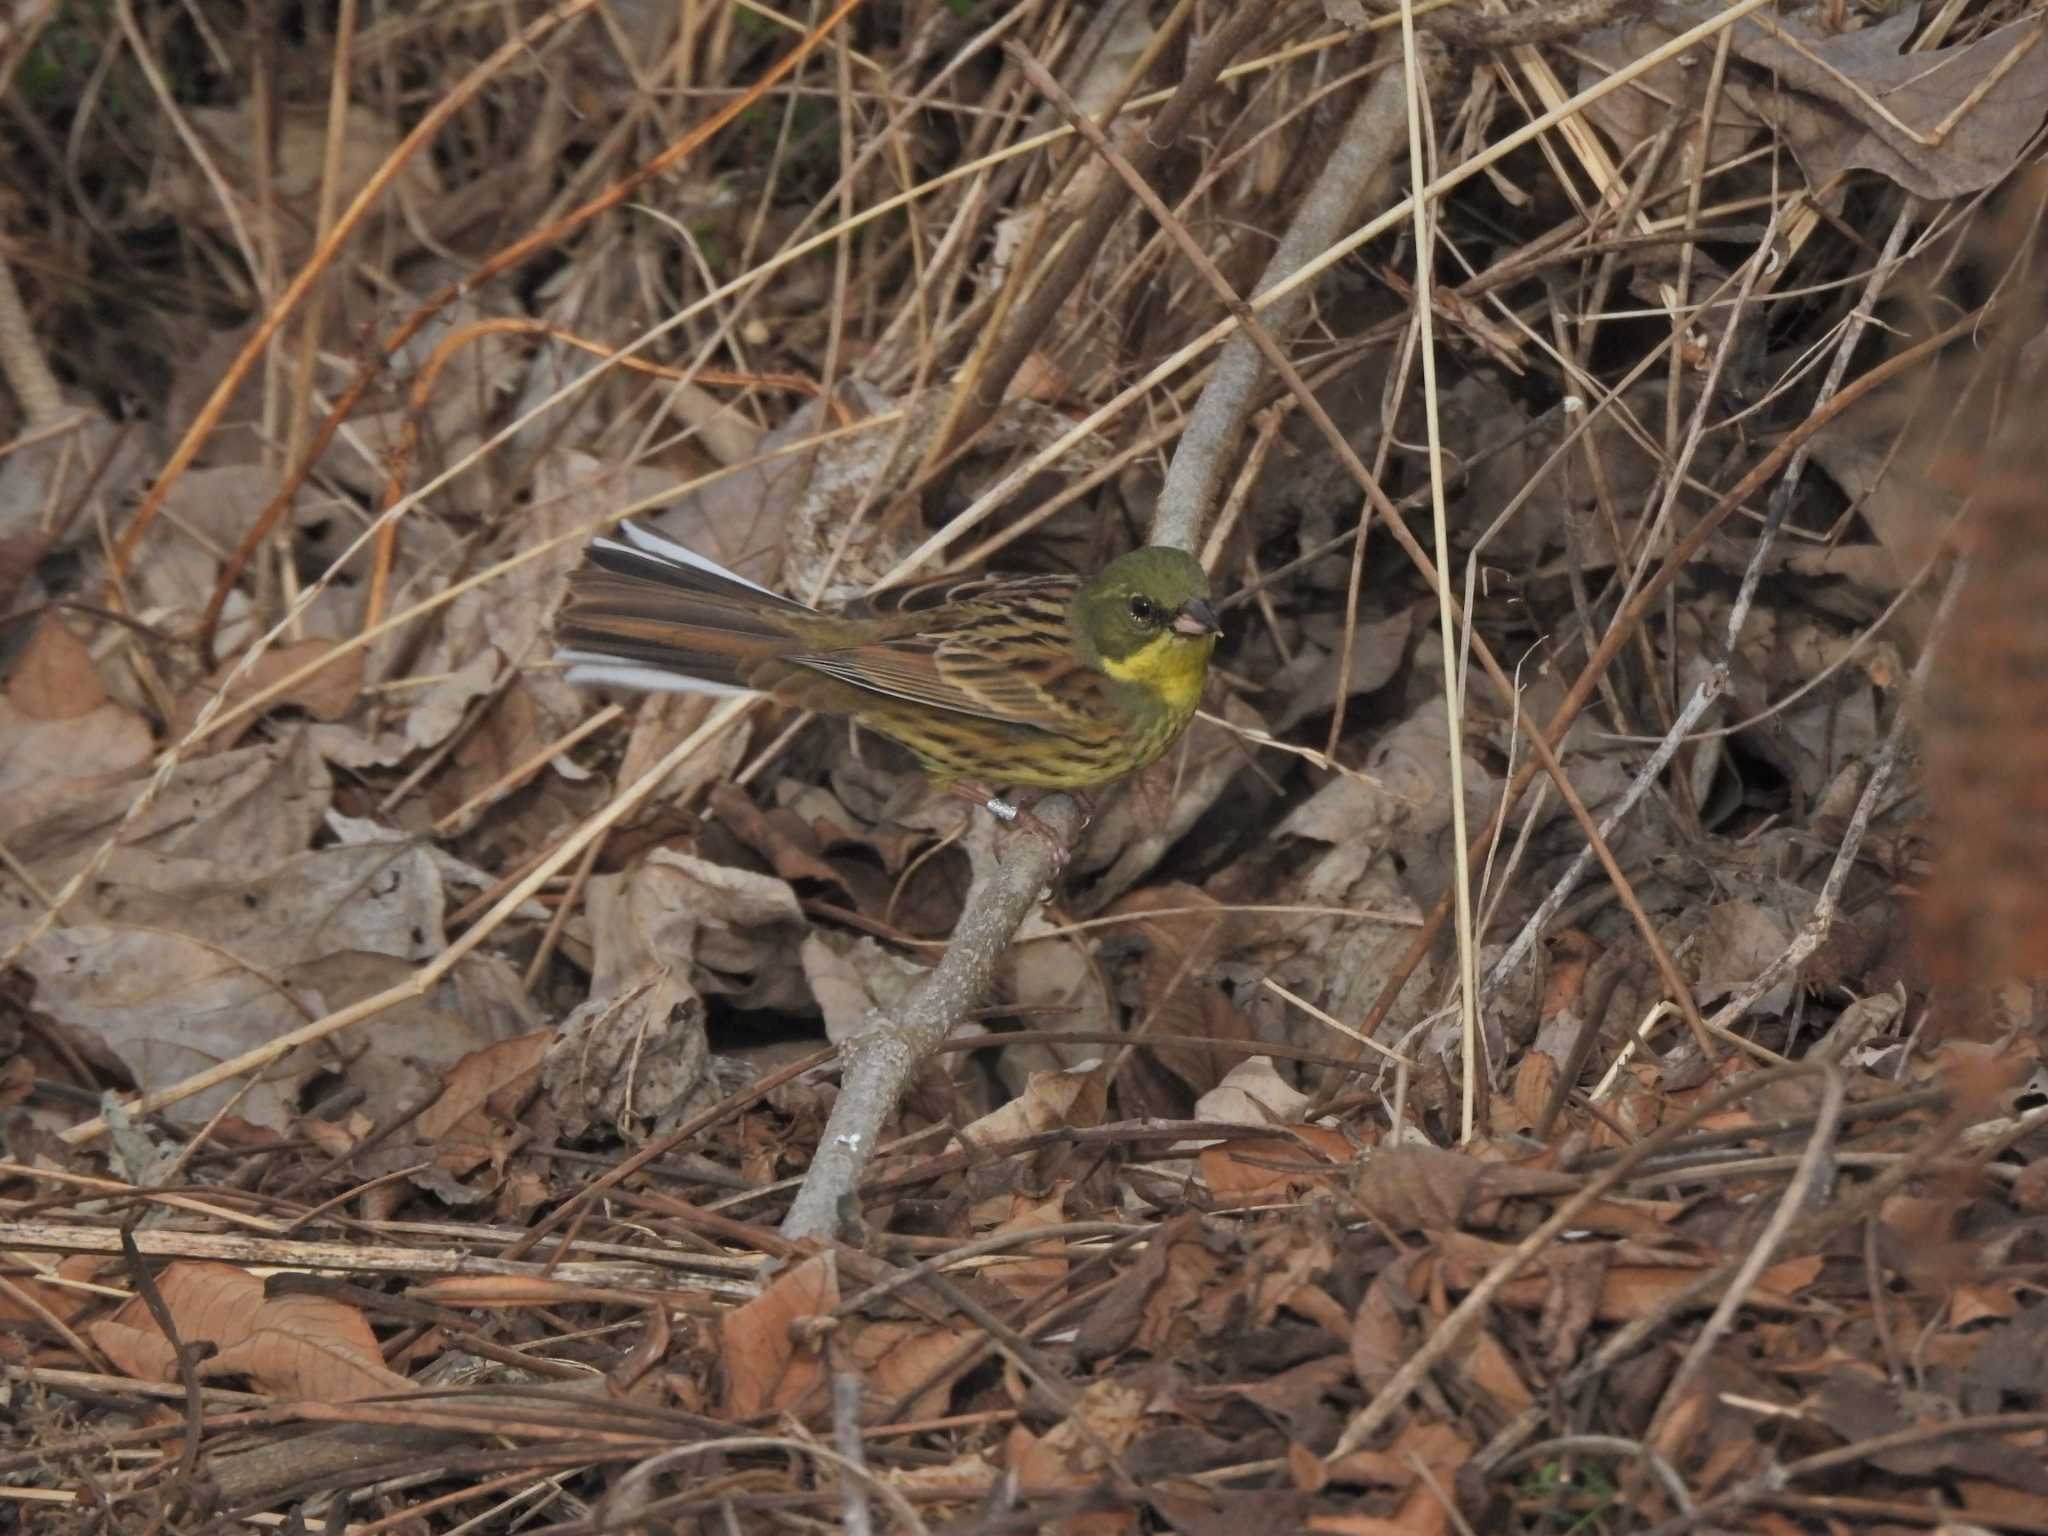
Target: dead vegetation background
{"x":495,"y":1168}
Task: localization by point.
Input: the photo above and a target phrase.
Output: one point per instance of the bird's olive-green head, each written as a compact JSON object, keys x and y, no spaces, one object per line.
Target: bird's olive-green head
{"x":1147,"y":620}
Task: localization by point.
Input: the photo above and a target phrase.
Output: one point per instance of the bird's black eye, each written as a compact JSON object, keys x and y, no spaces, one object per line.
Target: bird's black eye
{"x":1143,"y":611}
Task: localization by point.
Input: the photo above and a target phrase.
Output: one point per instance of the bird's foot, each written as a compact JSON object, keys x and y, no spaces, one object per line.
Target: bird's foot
{"x":1017,"y":813}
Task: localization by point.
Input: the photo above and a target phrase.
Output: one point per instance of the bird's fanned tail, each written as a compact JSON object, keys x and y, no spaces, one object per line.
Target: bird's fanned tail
{"x":645,"y":613}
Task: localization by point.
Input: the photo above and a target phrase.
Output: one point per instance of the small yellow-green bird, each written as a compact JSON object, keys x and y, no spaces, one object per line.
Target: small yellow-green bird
{"x":1043,"y":682}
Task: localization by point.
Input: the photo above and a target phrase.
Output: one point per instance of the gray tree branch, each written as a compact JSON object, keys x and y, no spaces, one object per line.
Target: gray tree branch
{"x":878,"y":1066}
{"x":1378,"y":129}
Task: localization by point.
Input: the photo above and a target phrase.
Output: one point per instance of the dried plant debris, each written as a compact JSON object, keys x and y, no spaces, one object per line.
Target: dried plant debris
{"x":421,"y":1077}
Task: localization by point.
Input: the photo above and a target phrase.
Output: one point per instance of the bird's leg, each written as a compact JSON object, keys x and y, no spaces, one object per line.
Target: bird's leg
{"x":1017,"y":813}
{"x":986,"y":798}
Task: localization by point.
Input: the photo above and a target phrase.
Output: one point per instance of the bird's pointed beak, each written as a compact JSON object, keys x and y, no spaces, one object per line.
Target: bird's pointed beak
{"x":1195,"y":619}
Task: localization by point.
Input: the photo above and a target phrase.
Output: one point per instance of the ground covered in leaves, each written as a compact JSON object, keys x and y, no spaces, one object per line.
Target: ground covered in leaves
{"x":410,"y":1064}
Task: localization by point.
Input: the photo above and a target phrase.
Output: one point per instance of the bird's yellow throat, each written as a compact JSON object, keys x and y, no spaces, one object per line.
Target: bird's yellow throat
{"x":1169,"y":667}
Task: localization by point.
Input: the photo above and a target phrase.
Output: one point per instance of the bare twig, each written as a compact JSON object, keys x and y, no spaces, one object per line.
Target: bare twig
{"x":857,"y":1519}
{"x":1821,"y":919}
{"x":880,"y":1062}
{"x":629,"y":1494}
{"x":1415,"y":94}
{"x":21,"y":361}
{"x":1805,"y":1183}
{"x":1759,"y":475}
{"x":1715,"y":682}
{"x":1026,"y":326}
{"x":1209,"y":440}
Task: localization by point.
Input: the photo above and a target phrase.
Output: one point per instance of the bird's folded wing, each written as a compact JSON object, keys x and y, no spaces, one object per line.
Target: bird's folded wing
{"x":1034,"y":682}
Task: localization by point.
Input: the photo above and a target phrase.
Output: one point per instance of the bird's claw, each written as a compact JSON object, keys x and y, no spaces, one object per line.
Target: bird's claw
{"x":1012,"y":814}
{"x":1042,"y":830}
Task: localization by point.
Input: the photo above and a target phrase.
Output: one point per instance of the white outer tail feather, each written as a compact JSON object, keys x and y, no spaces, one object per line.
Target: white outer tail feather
{"x":594,"y":669}
{"x":640,"y":541}
{"x":590,"y":669}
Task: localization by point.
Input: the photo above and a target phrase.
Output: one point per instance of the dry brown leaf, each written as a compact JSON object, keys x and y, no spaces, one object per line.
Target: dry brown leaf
{"x":1102,"y":1423}
{"x":768,"y":1367}
{"x":1647,"y":1221}
{"x":64,"y":1302}
{"x":1529,"y":1096}
{"x":1572,"y":1302}
{"x":1404,"y":793}
{"x":1034,"y":1467}
{"x":503,"y":626}
{"x":169,"y":1006}
{"x":788,"y":842}
{"x":1306,"y":1468}
{"x":17,"y":1082}
{"x":1486,"y":1367}
{"x":366,"y":898}
{"x":1439,"y":1448}
{"x":294,"y":162}
{"x":48,"y":765}
{"x":635,"y":1054}
{"x":472,"y":1122}
{"x":251,"y":808}
{"x":306,"y":1348}
{"x":143,"y":1353}
{"x":1024,"y":1278}
{"x":312,"y":1348}
{"x":1414,"y":1188}
{"x":1378,"y":1469}
{"x":1974,"y":1303}
{"x":1861,"y":1409}
{"x":19,"y":551}
{"x":1382,"y":1334}
{"x":54,"y":677}
{"x":1167,"y":1324}
{"x":1111,"y":1324}
{"x":852,"y":975}
{"x":1309,"y":684}
{"x":968,"y":1477}
{"x":1740,"y":941}
{"x":1629,"y":1291}
{"x":1848,"y":100}
{"x":1241,"y":1172}
{"x":1187,"y":937}
{"x":327,"y":694}
{"x":333,"y":1140}
{"x":1634,"y":117}
{"x":2030,"y":1189}
{"x":630,"y":1061}
{"x":495,"y":1081}
{"x":1297,"y":1395}
{"x":1941,"y":123}
{"x":896,"y":1358}
{"x":1791,"y":1276}
{"x":1059,"y":983}
{"x":1049,"y":1101}
{"x":1252,"y":1093}
{"x":475,"y":1004}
